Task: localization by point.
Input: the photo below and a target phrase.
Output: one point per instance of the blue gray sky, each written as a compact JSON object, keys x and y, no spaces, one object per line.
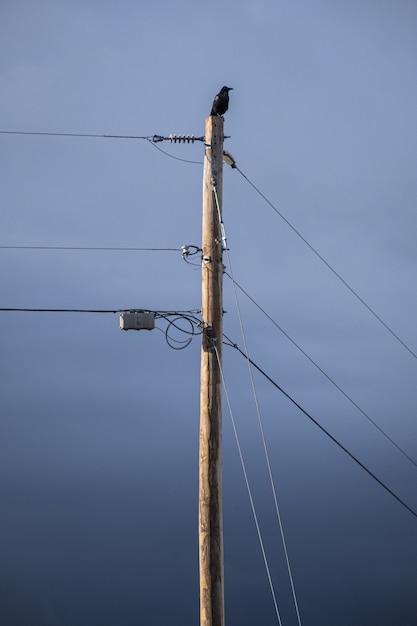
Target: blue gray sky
{"x":99,"y":428}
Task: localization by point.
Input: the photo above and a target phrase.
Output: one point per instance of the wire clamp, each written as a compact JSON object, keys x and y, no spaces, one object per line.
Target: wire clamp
{"x":210,"y":339}
{"x":189,"y":250}
{"x":228,"y":159}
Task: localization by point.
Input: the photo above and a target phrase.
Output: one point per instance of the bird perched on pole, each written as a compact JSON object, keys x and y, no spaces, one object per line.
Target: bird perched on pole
{"x":221,"y":101}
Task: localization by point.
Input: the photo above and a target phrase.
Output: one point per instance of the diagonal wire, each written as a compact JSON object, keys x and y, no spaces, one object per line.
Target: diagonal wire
{"x":327,"y":264}
{"x":326,"y":432}
{"x":323,"y":372}
{"x":171,"y":155}
{"x":271,"y":479}
{"x":255,"y":517}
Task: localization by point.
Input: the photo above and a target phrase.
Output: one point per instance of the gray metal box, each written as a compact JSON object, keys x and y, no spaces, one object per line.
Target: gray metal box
{"x":137,"y":320}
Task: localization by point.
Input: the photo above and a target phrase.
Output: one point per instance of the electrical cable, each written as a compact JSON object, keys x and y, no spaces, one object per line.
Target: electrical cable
{"x":28,"y":310}
{"x":112,"y":248}
{"x":155,"y":138}
{"x":242,"y":462}
{"x":20,"y":132}
{"x":229,"y":343}
{"x":355,"y":404}
{"x":191,"y":319}
{"x":192,"y":313}
{"x":151,"y":139}
{"x":267,"y":458}
{"x":327,"y":264}
{"x":172,"y":156}
{"x":189,"y":316}
{"x":258,"y":411}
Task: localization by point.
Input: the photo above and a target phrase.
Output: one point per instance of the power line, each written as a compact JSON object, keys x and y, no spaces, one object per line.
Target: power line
{"x":157,"y":138}
{"x":117,"y":248}
{"x":174,"y":157}
{"x":46,"y":134}
{"x":229,"y":343}
{"x":327,"y":264}
{"x":248,"y":488}
{"x":192,"y":313}
{"x":172,"y":138}
{"x":170,"y":317}
{"x":317,"y":366}
{"x":28,"y":310}
{"x":258,"y":411}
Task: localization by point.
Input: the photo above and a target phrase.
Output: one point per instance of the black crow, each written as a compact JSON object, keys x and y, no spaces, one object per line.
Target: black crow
{"x":221,"y":101}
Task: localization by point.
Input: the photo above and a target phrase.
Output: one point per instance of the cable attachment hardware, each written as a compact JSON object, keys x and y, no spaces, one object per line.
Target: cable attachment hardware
{"x":223,"y":232}
{"x":177,"y":138}
{"x":210,"y":339}
{"x":189,"y":251}
{"x":228,"y":159}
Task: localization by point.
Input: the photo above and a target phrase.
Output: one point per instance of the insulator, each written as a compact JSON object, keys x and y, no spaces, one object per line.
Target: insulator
{"x":181,"y":138}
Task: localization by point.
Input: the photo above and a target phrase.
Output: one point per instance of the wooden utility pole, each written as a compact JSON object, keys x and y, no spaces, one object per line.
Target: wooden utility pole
{"x":210,"y":467}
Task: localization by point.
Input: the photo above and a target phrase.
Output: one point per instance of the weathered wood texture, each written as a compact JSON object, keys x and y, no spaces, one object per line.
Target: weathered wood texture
{"x":210,"y":469}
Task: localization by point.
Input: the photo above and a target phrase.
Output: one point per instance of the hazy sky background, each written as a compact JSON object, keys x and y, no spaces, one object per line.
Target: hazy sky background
{"x":99,"y":428}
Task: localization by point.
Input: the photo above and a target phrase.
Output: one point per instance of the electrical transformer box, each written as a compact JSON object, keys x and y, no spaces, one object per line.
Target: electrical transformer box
{"x":137,"y":320}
